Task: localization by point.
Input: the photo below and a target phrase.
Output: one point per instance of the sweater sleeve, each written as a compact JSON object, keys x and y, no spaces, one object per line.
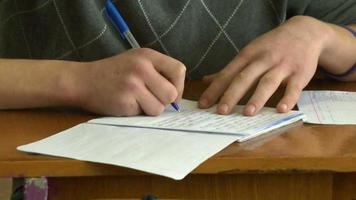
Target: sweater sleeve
{"x":340,"y":12}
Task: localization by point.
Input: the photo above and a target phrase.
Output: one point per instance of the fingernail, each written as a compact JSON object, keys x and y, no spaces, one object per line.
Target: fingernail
{"x":250,"y":110}
{"x":224,"y":109}
{"x":283,"y":107}
{"x":204,"y":103}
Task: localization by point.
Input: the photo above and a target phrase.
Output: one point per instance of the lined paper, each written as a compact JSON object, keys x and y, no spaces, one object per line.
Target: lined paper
{"x":198,"y":120}
{"x":328,"y":107}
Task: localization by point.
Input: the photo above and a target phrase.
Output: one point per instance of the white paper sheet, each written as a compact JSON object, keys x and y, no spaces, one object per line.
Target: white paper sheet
{"x":158,"y":146}
{"x":172,"y":154}
{"x":197,"y":120}
{"x":328,"y":107}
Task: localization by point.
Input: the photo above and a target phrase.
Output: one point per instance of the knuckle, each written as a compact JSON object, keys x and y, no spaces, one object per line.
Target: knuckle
{"x":139,"y":68}
{"x":223,"y":75}
{"x":228,"y":98}
{"x":224,"y":78}
{"x":271,"y":57}
{"x":297,"y":88}
{"x":126,"y":107}
{"x":290,"y":66}
{"x":145,"y":51}
{"x":301,"y":18}
{"x":131,"y":84}
{"x":269,"y":80}
{"x":247,"y":53}
{"x":241,"y":76}
{"x":180,"y":68}
{"x":300,"y":68}
{"x":261,"y":95}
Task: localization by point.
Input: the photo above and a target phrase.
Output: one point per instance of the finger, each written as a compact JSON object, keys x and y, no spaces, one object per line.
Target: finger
{"x":268,"y":84}
{"x":209,"y":78}
{"x":215,"y":90}
{"x":240,"y":85}
{"x":148,"y":102}
{"x":160,"y":87}
{"x":293,"y":90}
{"x":221,"y":82}
{"x":124,"y":107}
{"x":172,"y":69}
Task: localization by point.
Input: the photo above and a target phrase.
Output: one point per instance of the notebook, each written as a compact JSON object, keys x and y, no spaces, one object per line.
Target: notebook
{"x":193,"y":119}
{"x":172,"y":144}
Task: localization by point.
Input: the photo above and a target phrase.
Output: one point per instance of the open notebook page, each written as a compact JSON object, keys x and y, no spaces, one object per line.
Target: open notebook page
{"x":194,"y":119}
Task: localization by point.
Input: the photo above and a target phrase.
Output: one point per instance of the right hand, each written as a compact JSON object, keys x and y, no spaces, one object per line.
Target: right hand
{"x":136,"y":81}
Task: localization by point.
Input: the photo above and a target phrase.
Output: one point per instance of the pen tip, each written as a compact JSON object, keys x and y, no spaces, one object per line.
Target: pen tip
{"x":175,"y":106}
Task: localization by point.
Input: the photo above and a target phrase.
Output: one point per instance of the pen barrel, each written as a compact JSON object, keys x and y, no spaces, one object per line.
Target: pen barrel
{"x":115,"y":15}
{"x":131,"y":39}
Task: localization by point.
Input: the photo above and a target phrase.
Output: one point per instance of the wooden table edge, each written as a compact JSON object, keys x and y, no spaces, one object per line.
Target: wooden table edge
{"x":215,"y":165}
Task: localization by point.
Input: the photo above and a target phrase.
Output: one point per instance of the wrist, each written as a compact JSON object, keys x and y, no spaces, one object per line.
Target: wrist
{"x":328,"y":49}
{"x":338,"y":55}
{"x":348,"y":75}
{"x":70,"y":84}
{"x":335,"y":45}
{"x":321,"y":33}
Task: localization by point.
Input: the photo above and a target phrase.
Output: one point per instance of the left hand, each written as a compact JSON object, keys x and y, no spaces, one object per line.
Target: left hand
{"x":288,"y":54}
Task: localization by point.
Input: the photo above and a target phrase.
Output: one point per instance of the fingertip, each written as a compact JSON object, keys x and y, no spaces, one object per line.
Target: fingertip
{"x":223,"y":109}
{"x":249,"y":110}
{"x":282,"y":108}
{"x":172,"y":96}
{"x":203,"y":103}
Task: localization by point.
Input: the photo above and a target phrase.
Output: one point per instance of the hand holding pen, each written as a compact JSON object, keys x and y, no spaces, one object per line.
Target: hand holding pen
{"x":167,"y":71}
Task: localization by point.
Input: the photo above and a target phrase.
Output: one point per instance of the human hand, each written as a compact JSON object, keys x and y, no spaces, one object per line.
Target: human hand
{"x":136,"y":81}
{"x":288,"y":54}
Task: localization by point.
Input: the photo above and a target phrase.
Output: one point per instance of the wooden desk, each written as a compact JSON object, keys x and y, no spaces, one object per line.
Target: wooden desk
{"x":306,"y":162}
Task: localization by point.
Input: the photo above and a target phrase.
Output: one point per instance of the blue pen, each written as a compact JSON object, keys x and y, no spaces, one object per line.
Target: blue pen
{"x":119,"y":22}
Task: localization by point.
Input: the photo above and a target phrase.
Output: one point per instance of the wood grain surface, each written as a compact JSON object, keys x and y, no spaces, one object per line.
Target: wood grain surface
{"x":301,"y":148}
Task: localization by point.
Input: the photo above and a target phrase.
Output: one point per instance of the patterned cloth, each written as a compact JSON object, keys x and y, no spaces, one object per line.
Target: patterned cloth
{"x":204,"y":34}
